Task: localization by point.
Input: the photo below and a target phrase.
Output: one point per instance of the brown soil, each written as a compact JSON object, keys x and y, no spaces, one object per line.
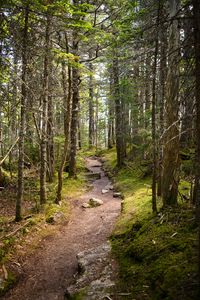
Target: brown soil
{"x":52,"y":267}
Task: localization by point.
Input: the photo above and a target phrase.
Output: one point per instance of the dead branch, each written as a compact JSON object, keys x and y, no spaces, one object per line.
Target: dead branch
{"x":15,"y":231}
{"x":10,"y":149}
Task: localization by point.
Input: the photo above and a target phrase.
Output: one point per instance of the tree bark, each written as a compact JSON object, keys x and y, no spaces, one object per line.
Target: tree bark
{"x":118,"y":112}
{"x":196,"y":15}
{"x":170,"y":178}
{"x":43,"y":142}
{"x":147,"y":90}
{"x":67,"y":118}
{"x":163,"y":71}
{"x":75,"y":108}
{"x":153,"y":119}
{"x":50,"y":129}
{"x":20,"y":188}
{"x":91,"y":105}
{"x":187,"y":101}
{"x":111,"y":117}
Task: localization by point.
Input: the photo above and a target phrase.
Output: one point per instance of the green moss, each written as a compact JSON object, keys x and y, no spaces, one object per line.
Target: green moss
{"x":110,"y":158}
{"x":79,"y":295}
{"x":74,"y":187}
{"x":52,"y":209}
{"x":157,"y":255}
{"x":154,"y":253}
{"x":87,"y":152}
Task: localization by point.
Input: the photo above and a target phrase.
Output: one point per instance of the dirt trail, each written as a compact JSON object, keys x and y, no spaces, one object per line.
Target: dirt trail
{"x":52,"y":267}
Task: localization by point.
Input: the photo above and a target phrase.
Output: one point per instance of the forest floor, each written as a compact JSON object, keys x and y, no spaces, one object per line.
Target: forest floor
{"x":47,"y":271}
{"x":156,"y":254}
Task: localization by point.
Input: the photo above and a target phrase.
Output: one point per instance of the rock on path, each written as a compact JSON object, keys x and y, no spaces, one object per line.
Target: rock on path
{"x":96,"y":273}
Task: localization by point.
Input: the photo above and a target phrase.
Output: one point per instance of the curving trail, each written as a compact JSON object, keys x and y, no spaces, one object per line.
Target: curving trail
{"x":51,"y":269}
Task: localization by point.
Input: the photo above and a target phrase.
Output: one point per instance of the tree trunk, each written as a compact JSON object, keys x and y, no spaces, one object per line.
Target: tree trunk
{"x":147,"y":90}
{"x":196,"y":13}
{"x":111,"y":116}
{"x":163,"y":69}
{"x":50,"y":130}
{"x":20,"y":188}
{"x":118,"y":113}
{"x":91,"y":105}
{"x":75,"y":108}
{"x":96,"y":123}
{"x":187,"y":101}
{"x":79,"y":141}
{"x":153,"y":119}
{"x":43,"y":142}
{"x":67,"y":118}
{"x":170,"y":178}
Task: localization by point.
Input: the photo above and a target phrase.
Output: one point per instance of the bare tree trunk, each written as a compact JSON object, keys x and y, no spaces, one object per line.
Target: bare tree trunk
{"x":13,"y":122}
{"x":79,"y":141}
{"x":196,"y":14}
{"x":163,"y":68}
{"x":147,"y":90}
{"x":118,"y":113}
{"x":170,"y":178}
{"x":1,"y":136}
{"x":111,"y":117}
{"x":91,"y":105}
{"x":50,"y":129}
{"x":153,"y":119}
{"x":75,"y":109}
{"x":96,"y":123}
{"x":43,"y":142}
{"x":20,"y":188}
{"x":187,"y":101}
{"x":67,"y":118}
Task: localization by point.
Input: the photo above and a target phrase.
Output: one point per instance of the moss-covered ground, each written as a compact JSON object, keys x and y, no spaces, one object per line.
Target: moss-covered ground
{"x":157,"y":255}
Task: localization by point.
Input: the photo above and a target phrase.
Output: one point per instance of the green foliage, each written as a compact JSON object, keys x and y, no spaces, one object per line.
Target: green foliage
{"x":65,"y":57}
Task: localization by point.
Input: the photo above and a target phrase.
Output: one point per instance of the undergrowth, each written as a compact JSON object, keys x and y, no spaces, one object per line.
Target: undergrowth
{"x":157,"y":255}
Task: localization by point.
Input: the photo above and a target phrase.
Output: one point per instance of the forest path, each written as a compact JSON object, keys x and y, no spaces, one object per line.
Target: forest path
{"x":48,"y":272}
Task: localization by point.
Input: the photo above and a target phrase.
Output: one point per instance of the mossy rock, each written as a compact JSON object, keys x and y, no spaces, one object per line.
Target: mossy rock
{"x":55,"y":213}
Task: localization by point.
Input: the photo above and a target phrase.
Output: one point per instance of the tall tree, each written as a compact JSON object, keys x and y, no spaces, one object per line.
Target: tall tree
{"x":118,"y":111}
{"x":196,"y":15}
{"x":67,"y":119}
{"x":50,"y":126}
{"x":20,"y":188}
{"x":154,"y":108}
{"x":170,"y":178}
{"x":75,"y":105}
{"x":161,"y":94}
{"x":45,"y":98}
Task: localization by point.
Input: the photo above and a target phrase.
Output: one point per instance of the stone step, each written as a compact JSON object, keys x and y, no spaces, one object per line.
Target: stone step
{"x":93,"y":176}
